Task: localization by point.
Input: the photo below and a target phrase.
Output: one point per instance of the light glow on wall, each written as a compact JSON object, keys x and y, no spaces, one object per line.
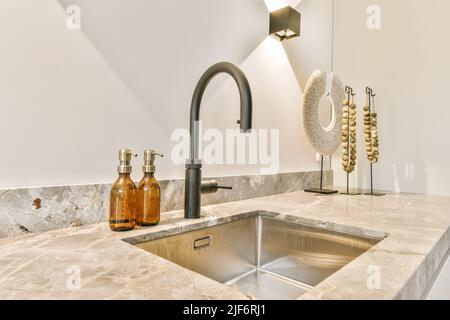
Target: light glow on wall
{"x":273,"y":5}
{"x":275,"y":49}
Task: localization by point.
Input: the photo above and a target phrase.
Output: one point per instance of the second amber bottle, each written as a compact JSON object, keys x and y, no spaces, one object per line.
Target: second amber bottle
{"x":149,"y":192}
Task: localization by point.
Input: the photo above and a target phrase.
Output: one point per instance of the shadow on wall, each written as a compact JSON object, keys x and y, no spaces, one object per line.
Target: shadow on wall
{"x":160,"y":48}
{"x":160,"y":64}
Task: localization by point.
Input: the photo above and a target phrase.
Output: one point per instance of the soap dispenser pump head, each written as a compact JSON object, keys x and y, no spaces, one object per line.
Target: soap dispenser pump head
{"x":125,"y":161}
{"x":149,"y":160}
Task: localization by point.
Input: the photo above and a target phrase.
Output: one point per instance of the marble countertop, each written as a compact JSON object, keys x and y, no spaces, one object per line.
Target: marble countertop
{"x":95,"y":263}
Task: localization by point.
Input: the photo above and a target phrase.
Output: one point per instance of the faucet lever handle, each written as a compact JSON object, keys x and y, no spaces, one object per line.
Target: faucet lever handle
{"x":212,"y":186}
{"x":225,"y":187}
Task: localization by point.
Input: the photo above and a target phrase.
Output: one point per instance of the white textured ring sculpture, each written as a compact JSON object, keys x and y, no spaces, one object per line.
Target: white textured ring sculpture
{"x":324,"y":140}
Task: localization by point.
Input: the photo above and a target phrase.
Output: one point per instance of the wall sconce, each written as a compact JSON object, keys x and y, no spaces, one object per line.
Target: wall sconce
{"x":285,"y":23}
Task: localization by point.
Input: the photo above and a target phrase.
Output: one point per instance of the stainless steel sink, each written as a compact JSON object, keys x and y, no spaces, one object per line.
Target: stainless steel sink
{"x":262,"y":257}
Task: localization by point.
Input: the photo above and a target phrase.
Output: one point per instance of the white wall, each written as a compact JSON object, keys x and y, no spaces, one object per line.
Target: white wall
{"x":406,"y":63}
{"x":71,"y":99}
{"x":64,"y":110}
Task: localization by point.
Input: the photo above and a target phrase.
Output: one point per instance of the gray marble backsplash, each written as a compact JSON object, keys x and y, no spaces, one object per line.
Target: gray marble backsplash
{"x":24,"y":211}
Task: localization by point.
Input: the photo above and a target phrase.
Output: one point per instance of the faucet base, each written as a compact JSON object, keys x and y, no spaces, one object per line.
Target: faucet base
{"x":192,"y":191}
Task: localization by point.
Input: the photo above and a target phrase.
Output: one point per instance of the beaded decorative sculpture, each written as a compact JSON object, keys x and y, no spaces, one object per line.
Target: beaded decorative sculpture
{"x":371,"y":131}
{"x":349,"y":134}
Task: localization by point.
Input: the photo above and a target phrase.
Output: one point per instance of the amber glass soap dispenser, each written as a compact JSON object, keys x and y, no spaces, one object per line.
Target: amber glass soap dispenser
{"x":123,"y":197}
{"x":149,"y":192}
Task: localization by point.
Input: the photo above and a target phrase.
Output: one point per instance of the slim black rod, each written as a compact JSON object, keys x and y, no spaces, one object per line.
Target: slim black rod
{"x":371,"y":96}
{"x":371,"y":165}
{"x":371,"y":179}
{"x":321,"y":172}
{"x":349,"y":95}
{"x":348,"y":189}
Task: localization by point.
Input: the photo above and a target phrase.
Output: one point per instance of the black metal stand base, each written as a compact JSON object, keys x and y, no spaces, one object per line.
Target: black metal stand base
{"x":375,"y":194}
{"x":321,"y":191}
{"x":351,"y":193}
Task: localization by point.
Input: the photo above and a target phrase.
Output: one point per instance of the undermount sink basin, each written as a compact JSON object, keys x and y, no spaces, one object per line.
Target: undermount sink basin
{"x":262,"y":257}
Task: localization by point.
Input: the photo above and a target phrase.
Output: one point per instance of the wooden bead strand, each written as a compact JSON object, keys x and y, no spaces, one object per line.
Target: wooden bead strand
{"x":349,"y":134}
{"x":371,"y":130}
{"x":371,"y":136}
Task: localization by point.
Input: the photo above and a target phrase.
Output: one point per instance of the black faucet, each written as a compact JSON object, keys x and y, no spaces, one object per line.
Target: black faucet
{"x":193,"y":185}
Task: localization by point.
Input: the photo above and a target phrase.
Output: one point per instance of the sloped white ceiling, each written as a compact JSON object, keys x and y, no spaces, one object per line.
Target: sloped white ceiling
{"x":163,"y":46}
{"x":126,"y":80}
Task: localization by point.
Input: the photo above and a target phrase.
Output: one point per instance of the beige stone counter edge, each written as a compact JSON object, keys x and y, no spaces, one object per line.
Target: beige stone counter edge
{"x":417,"y":240}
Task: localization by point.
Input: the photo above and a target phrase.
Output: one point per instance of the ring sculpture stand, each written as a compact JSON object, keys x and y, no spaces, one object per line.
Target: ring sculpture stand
{"x":324,"y":140}
{"x":321,"y":190}
{"x":371,"y":105}
{"x":350,"y":100}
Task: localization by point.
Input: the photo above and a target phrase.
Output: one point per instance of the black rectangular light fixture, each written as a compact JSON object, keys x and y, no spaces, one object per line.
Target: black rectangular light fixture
{"x":285,"y":23}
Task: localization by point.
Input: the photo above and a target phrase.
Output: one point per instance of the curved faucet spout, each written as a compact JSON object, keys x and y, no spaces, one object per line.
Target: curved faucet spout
{"x":193,"y":182}
{"x":245,"y":96}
